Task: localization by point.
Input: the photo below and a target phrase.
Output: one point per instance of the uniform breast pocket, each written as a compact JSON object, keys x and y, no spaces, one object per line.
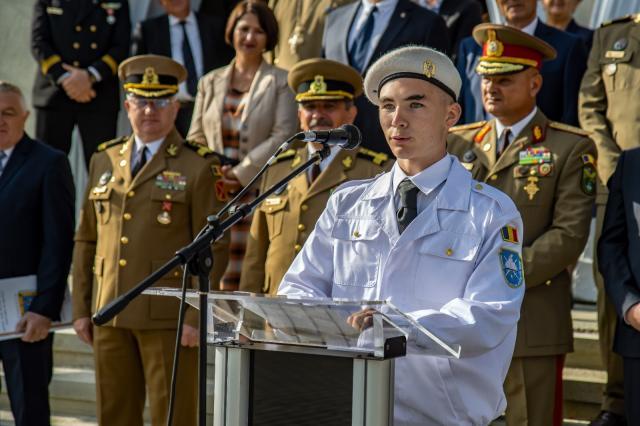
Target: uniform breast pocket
{"x":274,"y":210}
{"x":620,"y":73}
{"x":356,"y":252}
{"x":447,"y":258}
{"x":101,"y":198}
{"x":168,"y":207}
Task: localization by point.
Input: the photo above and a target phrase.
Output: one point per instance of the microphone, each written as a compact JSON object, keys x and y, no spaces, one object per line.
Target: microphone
{"x":346,"y":137}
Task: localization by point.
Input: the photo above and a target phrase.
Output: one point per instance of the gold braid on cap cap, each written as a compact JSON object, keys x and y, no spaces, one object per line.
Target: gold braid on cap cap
{"x":489,"y":68}
{"x":318,"y":92}
{"x":150,"y":85}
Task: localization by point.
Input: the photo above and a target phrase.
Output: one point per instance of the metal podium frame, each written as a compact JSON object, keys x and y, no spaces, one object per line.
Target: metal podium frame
{"x":239,"y":323}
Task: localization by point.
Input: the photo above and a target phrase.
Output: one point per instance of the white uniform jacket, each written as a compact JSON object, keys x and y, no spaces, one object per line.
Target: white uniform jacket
{"x":456,"y":269}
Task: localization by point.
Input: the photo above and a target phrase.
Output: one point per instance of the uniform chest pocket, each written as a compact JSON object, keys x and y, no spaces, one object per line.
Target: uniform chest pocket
{"x":274,"y":210}
{"x":356,"y":252}
{"x":168,"y":206}
{"x":619,"y":73}
{"x":101,"y":198}
{"x":448,"y":257}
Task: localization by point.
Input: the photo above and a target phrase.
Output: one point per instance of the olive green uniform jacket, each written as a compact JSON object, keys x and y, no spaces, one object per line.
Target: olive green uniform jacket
{"x":555,"y":199}
{"x":283,"y":222}
{"x":128,"y":228}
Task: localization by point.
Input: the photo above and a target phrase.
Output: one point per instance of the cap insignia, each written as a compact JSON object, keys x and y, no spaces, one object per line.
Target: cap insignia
{"x":429,"y":69}
{"x":150,"y":76}
{"x":318,"y":86}
{"x":494,"y":46}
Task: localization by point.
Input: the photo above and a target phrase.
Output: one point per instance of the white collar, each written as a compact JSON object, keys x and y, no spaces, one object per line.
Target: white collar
{"x":530,"y":28}
{"x":190,"y":19}
{"x":152,"y":146}
{"x":324,"y":163}
{"x":8,"y":151}
{"x":382,"y":6}
{"x":516,"y":128}
{"x":428,"y":179}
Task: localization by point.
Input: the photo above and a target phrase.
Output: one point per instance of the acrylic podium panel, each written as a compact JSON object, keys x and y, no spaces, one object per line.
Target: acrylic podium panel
{"x":285,"y":361}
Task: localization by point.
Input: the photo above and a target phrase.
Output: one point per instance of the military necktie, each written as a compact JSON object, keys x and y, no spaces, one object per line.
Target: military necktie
{"x":360,"y":45}
{"x":504,"y":141}
{"x":189,"y":63}
{"x":142,"y":160}
{"x":408,"y":204}
{"x":315,"y":172}
{"x":2,"y":157}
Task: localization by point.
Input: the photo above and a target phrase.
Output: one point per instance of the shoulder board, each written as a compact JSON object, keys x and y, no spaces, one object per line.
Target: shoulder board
{"x":621,"y":19}
{"x":468,"y":126}
{"x":111,"y":143}
{"x":201,"y":150}
{"x":378,"y":158}
{"x":567,"y":128}
{"x":286,"y":155}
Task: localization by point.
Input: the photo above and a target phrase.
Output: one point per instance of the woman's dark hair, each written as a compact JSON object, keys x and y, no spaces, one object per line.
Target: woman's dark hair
{"x":266,"y":18}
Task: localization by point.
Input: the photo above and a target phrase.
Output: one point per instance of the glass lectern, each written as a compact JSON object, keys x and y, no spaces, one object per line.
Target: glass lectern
{"x":295,"y":361}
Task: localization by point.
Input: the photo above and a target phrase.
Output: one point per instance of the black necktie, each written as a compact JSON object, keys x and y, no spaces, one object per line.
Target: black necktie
{"x":315,"y":172}
{"x":142,"y":160}
{"x":360,"y":46}
{"x":189,"y":63}
{"x":506,"y":139}
{"x":408,"y":204}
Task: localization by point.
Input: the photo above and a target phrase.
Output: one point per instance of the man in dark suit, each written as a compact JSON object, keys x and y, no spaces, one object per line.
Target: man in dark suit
{"x":618,"y":250}
{"x":560,"y":16}
{"x":204,"y":50}
{"x":78,"y":45}
{"x":558,"y":98}
{"x":359,"y":33}
{"x":36,"y":239}
{"x":459,"y":15}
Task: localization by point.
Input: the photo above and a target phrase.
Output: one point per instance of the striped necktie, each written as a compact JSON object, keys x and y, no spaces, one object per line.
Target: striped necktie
{"x":3,"y":155}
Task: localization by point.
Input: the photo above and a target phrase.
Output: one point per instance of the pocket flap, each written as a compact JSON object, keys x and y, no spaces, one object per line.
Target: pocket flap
{"x":160,"y":194}
{"x":451,"y":245}
{"x":100,"y":193}
{"x":274,"y":204}
{"x":356,"y":229}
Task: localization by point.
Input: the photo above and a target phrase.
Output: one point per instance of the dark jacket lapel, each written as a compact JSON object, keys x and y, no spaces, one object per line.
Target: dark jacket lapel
{"x":16,"y":160}
{"x":399,"y":20}
{"x":164,"y":36}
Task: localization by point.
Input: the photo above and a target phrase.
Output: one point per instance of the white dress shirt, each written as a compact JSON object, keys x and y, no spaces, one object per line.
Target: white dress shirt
{"x":429,"y":181}
{"x":432,"y":6}
{"x":530,"y":28}
{"x":383,"y":16}
{"x":175,"y":31}
{"x":153,"y":147}
{"x":324,"y":163}
{"x":5,"y":161}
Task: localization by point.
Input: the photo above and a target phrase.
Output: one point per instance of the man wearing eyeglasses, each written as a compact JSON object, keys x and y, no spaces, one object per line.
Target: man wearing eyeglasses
{"x":148,"y":195}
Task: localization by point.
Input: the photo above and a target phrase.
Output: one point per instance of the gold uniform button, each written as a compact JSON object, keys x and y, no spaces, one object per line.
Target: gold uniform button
{"x":76,"y":45}
{"x":78,"y":28}
{"x":297,"y":247}
{"x":76,"y":63}
{"x":478,"y":186}
{"x":486,"y":147}
{"x":176,"y":274}
{"x":494,"y":177}
{"x":449,"y":252}
{"x":356,"y":234}
{"x":123,"y":163}
{"x":167,"y":196}
{"x":127,"y":216}
{"x":548,"y":282}
{"x":130,"y":194}
{"x":94,"y":46}
{"x":122,"y":262}
{"x":124,"y":240}
{"x":304,"y":207}
{"x":301,"y":227}
{"x":93,"y":28}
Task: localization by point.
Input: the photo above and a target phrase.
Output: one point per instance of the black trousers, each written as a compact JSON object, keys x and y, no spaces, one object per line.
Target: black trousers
{"x":631,"y":368}
{"x":54,"y":127}
{"x":28,"y":368}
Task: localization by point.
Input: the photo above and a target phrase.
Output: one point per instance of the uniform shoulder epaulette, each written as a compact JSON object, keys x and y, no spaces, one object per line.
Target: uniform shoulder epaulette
{"x":113,"y":142}
{"x":378,"y":158}
{"x":201,"y":150}
{"x":286,"y":155}
{"x":567,"y":128}
{"x":469,"y":126}
{"x":627,"y":18}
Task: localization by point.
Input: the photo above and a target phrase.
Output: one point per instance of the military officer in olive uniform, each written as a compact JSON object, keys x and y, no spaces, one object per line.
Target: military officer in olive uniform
{"x":325,"y":91}
{"x":301,"y":24}
{"x":548,"y":169}
{"x":148,"y":195}
{"x":608,"y":108}
{"x":78,"y":45}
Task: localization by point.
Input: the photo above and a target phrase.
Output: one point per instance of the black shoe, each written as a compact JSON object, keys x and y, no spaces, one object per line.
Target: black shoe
{"x":607,"y":418}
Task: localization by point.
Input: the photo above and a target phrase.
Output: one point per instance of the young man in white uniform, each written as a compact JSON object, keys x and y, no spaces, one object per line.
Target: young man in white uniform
{"x":429,"y":239}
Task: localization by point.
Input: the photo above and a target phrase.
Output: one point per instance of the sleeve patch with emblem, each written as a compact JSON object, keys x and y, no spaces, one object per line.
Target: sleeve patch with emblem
{"x":511,"y":264}
{"x":509,"y":234}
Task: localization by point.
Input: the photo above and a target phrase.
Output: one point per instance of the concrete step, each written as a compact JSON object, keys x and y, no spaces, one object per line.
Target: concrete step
{"x":583,"y":392}
{"x":6,"y":419}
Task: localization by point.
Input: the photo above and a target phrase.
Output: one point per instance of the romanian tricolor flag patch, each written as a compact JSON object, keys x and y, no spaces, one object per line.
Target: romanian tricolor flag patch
{"x":509,"y":234}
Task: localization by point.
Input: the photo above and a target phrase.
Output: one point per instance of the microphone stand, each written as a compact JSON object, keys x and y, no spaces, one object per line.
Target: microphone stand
{"x":199,"y":260}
